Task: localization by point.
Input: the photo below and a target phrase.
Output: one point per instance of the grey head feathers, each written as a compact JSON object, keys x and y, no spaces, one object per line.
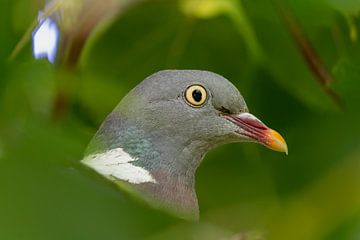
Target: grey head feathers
{"x":156,"y":137}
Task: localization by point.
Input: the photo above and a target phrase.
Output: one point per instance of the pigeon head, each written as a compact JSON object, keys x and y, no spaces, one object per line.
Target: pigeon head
{"x":156,"y":137}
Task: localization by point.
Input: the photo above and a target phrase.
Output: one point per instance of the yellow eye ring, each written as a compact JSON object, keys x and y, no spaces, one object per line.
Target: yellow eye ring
{"x":196,"y":95}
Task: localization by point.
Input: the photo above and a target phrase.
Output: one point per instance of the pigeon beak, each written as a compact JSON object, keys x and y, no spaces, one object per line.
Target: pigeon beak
{"x":253,"y":129}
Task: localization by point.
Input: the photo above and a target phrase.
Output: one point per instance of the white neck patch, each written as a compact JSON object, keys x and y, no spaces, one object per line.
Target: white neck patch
{"x":116,"y":164}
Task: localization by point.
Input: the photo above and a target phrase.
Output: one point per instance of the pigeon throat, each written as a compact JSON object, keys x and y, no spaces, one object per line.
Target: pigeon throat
{"x":155,"y":168}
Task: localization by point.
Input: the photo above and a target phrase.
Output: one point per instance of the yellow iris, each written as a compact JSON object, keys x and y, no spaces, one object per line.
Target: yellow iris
{"x":196,"y":95}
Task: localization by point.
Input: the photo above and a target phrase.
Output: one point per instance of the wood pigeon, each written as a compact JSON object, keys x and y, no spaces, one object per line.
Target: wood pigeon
{"x":154,"y":140}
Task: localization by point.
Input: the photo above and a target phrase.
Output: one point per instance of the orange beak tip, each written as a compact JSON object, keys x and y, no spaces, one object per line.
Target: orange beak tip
{"x":276,"y":142}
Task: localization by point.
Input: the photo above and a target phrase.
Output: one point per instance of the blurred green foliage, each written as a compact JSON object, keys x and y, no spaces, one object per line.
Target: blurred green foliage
{"x":311,"y":194}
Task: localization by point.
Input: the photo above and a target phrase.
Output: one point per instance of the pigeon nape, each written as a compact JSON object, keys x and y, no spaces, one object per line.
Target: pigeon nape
{"x":154,"y":140}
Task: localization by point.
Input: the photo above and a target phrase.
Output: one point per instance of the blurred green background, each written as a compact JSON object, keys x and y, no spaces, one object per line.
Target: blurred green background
{"x":272,"y":51}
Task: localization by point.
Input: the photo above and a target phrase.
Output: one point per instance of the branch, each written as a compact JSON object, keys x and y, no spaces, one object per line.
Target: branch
{"x":321,"y":74}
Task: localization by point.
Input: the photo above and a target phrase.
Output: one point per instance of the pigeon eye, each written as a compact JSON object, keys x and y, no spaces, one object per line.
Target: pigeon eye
{"x":196,"y":95}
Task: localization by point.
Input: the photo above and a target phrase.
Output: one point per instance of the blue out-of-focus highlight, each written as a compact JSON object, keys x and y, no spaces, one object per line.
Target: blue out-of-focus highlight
{"x":45,"y":39}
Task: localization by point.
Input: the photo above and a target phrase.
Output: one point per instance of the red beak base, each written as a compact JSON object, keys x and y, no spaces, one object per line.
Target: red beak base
{"x":252,"y":128}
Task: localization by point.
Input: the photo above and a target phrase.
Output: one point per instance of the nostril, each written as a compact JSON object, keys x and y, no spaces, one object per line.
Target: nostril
{"x":225,"y":110}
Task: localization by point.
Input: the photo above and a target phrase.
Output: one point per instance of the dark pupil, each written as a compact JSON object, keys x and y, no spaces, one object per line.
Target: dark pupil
{"x":197,"y":95}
